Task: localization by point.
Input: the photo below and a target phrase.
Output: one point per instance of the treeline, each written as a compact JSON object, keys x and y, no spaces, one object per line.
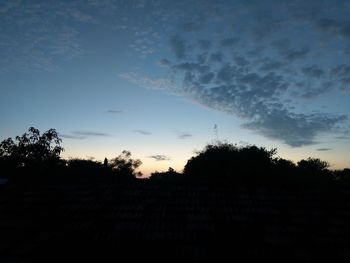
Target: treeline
{"x":229,"y":163}
{"x":35,"y":156}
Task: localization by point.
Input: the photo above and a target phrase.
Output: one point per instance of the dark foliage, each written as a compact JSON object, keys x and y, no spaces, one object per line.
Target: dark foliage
{"x":124,"y":165}
{"x":169,"y":176}
{"x":227,"y":162}
{"x":32,"y":151}
{"x":35,"y":155}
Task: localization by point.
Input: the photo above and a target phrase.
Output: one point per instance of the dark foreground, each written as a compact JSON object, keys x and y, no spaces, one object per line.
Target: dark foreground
{"x":171,"y":222}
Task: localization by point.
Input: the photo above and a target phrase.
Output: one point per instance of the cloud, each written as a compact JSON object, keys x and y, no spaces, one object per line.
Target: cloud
{"x":294,"y":129}
{"x":115,"y":111}
{"x":204,"y":44}
{"x":339,"y":28}
{"x":91,"y":134}
{"x":178,"y":46}
{"x":229,"y":42}
{"x":150,"y":83}
{"x":241,"y":61}
{"x":343,"y":137}
{"x":70,"y":136}
{"x":310,"y":92}
{"x":313,"y":71}
{"x":206,"y":78}
{"x":257,"y":64}
{"x":342,"y":70}
{"x":164,"y":62}
{"x":160,"y":157}
{"x":81,"y":135}
{"x":190,"y":26}
{"x":184,"y":135}
{"x":245,"y":60}
{"x":142,"y":132}
{"x":216,"y":57}
{"x":324,"y":149}
{"x":295,"y":54}
{"x":32,"y":39}
{"x":271,"y":65}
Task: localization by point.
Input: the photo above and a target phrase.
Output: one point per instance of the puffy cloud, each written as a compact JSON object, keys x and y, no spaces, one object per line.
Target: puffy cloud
{"x":164,"y":62}
{"x":294,"y":54}
{"x":204,"y":44}
{"x":31,"y":39}
{"x":342,"y":70}
{"x":178,"y":46}
{"x":293,"y":129}
{"x":216,"y":57}
{"x":150,"y":83}
{"x":229,"y":42}
{"x":313,"y":91}
{"x":334,"y":27}
{"x":206,"y":78}
{"x":313,"y":71}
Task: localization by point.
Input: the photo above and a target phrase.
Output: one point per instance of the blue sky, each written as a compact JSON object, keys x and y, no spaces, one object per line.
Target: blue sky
{"x":155,"y":76}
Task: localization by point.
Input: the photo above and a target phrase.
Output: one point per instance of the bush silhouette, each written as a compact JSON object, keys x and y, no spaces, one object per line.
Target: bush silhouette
{"x":227,"y":162}
{"x":124,"y":166}
{"x":170,"y":175}
{"x":31,"y":152}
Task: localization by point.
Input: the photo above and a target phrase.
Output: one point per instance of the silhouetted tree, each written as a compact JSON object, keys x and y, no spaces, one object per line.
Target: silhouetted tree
{"x":81,"y":167}
{"x":105,"y":163}
{"x":227,"y":162}
{"x":313,"y":165}
{"x":31,"y":150}
{"x":343,"y":176}
{"x":169,"y":175}
{"x":124,"y":165}
{"x":314,"y":171}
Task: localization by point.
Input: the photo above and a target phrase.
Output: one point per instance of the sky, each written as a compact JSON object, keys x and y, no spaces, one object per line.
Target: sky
{"x":163,"y":78}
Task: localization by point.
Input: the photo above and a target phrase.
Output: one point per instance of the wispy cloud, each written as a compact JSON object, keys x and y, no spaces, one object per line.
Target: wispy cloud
{"x":324,"y":149}
{"x":115,"y":111}
{"x":160,"y":157}
{"x":184,"y":135}
{"x":70,"y":136}
{"x":91,"y":134}
{"x":142,"y":132}
{"x":81,"y":135}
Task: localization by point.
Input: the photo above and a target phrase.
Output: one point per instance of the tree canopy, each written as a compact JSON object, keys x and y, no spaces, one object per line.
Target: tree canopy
{"x":31,"y":149}
{"x":223,"y":161}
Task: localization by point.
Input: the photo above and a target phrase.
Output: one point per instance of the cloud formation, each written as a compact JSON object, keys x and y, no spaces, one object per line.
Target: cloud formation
{"x":256,"y":60}
{"x":142,"y":132}
{"x":115,"y":111}
{"x":91,"y":134}
{"x":81,"y":135}
{"x":70,"y":136}
{"x":160,"y":157}
{"x":185,"y":135}
{"x":256,"y":71}
{"x":324,"y":149}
